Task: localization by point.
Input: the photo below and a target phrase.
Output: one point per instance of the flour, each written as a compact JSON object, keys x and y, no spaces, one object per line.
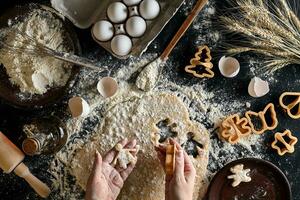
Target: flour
{"x":206,"y":107}
{"x":35,"y":74}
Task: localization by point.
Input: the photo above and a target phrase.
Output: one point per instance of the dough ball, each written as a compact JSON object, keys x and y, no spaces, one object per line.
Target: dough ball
{"x":117,"y":12}
{"x":136,"y":26}
{"x":121,"y":45}
{"x":131,"y":2}
{"x":149,"y":9}
{"x":103,"y":30}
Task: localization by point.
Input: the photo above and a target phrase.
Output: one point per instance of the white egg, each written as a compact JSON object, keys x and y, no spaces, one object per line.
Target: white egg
{"x":78,"y":107}
{"x":131,"y":2}
{"x":117,"y":12}
{"x":103,"y":30}
{"x":121,"y":45}
{"x":136,"y":26}
{"x":149,"y":9}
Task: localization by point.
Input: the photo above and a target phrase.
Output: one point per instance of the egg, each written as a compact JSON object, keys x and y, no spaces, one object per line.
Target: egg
{"x":258,"y":87}
{"x":103,"y":30}
{"x":131,"y":2}
{"x":78,"y":107}
{"x":121,"y":45}
{"x":117,"y":12}
{"x":107,"y":87}
{"x":149,"y":9}
{"x":136,"y":26}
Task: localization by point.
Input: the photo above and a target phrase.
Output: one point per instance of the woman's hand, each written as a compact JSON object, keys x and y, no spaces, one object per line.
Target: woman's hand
{"x":180,"y":186}
{"x":105,"y":181}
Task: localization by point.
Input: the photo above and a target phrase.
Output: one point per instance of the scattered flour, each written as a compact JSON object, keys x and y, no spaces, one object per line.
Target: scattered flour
{"x":35,"y":74}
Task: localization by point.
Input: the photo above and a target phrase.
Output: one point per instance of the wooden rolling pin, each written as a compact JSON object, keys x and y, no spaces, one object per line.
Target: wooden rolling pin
{"x":11,"y":158}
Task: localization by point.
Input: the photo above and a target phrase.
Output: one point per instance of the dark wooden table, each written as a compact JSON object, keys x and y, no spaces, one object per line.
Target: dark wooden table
{"x":11,"y":119}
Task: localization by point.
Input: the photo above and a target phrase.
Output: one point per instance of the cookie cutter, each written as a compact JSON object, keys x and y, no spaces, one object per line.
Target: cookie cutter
{"x":200,"y":60}
{"x":288,"y":108}
{"x":289,"y":146}
{"x":262,"y":116}
{"x":170,"y":159}
{"x":234,"y":127}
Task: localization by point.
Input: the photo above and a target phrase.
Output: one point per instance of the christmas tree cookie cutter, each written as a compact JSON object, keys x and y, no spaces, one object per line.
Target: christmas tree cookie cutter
{"x":262,"y":116}
{"x":234,"y":127}
{"x":294,"y":105}
{"x":202,"y":58}
{"x":288,"y":146}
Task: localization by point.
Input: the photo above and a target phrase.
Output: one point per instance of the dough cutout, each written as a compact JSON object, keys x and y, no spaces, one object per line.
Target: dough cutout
{"x":262,"y":117}
{"x":239,"y":175}
{"x":292,"y":108}
{"x":165,"y":129}
{"x":234,"y":127}
{"x":125,"y":156}
{"x":284,"y":142}
{"x":193,"y":146}
{"x":200,"y":66}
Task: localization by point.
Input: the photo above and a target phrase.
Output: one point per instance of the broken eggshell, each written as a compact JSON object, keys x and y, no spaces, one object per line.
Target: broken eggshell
{"x":257,"y":87}
{"x":229,"y":66}
{"x":107,"y":87}
{"x":78,"y":107}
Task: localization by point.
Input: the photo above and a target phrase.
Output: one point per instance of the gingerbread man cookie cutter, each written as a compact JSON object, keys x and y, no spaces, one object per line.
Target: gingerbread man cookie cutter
{"x":198,"y":60}
{"x":292,"y":105}
{"x":262,"y":116}
{"x":234,"y":127}
{"x":289,"y":146}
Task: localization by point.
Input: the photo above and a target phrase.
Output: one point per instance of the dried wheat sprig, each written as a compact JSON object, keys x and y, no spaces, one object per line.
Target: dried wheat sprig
{"x":271,"y":30}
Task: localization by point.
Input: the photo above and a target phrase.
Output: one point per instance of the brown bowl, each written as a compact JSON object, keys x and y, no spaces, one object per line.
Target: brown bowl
{"x":268,"y":183}
{"x":10,"y":93}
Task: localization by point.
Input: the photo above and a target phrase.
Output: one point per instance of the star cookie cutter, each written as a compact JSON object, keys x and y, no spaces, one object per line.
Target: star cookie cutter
{"x":292,"y":105}
{"x":289,"y":146}
{"x":262,"y":116}
{"x":201,"y":60}
{"x":170,"y":159}
{"x":234,"y":127}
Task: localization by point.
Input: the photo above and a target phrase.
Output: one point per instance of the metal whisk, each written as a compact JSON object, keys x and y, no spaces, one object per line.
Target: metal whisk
{"x":29,"y":45}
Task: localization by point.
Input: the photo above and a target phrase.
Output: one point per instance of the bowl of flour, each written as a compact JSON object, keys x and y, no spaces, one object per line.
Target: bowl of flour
{"x":33,"y":81}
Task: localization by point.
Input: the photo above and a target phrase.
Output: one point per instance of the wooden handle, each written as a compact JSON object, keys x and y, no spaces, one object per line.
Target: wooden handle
{"x":41,"y":188}
{"x":186,"y":24}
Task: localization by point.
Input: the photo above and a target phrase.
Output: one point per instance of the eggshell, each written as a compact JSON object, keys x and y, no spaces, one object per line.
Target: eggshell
{"x":103,"y":30}
{"x":136,"y":26}
{"x":78,"y":107}
{"x":149,"y":9}
{"x":131,"y":2}
{"x":117,"y":12}
{"x":121,"y":45}
{"x":229,"y":66}
{"x":107,"y":87}
{"x":258,"y":87}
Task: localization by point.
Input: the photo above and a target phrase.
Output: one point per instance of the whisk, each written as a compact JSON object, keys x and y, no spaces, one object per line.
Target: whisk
{"x":30,"y":45}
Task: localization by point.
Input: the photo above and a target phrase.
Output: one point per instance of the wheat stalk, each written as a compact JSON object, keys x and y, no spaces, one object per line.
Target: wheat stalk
{"x":270,"y":29}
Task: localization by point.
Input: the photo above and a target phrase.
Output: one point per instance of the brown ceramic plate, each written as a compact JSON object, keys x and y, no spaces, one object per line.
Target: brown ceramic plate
{"x":10,"y":93}
{"x":268,"y":183}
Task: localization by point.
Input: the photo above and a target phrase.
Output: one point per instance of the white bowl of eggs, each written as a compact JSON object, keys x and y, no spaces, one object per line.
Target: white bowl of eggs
{"x":122,"y":27}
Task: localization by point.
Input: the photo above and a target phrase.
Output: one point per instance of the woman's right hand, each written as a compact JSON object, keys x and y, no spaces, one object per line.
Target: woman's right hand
{"x":180,"y":186}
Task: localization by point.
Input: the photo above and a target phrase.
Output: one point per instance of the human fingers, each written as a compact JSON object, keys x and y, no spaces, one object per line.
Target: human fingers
{"x":111,"y":154}
{"x":189,"y":169}
{"x":179,"y":165}
{"x":177,"y":145}
{"x":125,"y":173}
{"x":97,"y":169}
